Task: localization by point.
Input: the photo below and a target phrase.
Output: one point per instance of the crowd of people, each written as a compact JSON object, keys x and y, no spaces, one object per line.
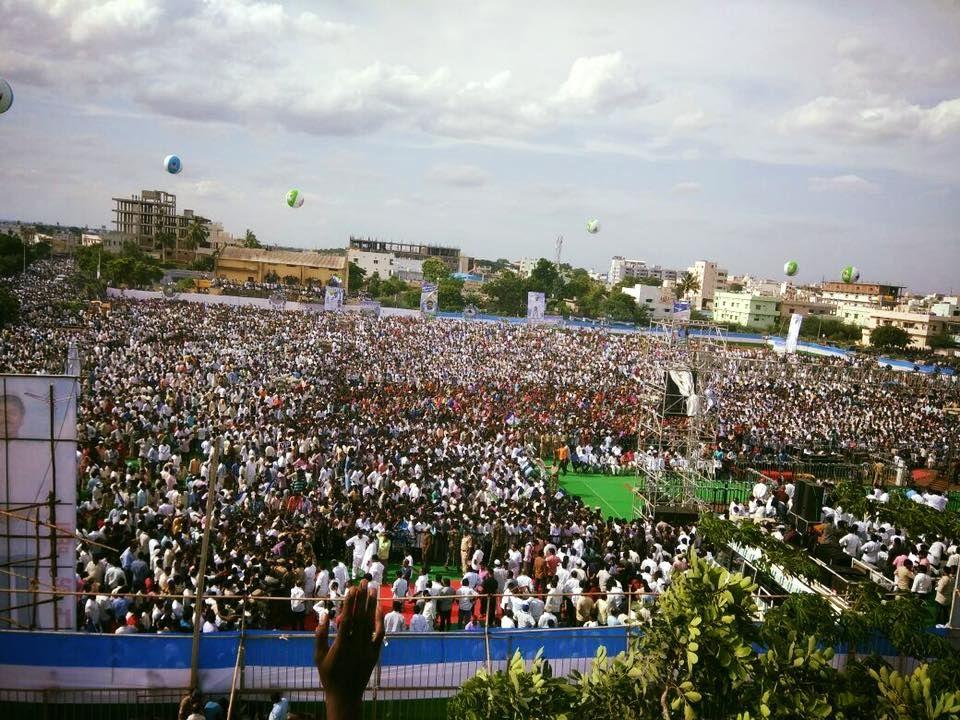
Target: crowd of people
{"x":407,"y":452}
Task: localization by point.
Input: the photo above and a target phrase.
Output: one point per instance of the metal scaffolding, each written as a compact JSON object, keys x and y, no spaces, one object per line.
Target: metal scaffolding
{"x":676,"y":429}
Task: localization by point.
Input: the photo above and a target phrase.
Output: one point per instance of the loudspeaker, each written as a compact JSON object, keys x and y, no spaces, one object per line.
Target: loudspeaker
{"x":680,"y":387}
{"x":808,"y":500}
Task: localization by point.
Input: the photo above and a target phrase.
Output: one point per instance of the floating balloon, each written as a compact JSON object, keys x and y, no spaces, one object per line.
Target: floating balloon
{"x":850,"y":274}
{"x":6,"y":95}
{"x":593,"y":226}
{"x":294,"y":198}
{"x":790,"y":268}
{"x":172,"y":164}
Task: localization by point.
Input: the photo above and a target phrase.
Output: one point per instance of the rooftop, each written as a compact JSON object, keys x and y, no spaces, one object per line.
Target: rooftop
{"x":305,"y":258}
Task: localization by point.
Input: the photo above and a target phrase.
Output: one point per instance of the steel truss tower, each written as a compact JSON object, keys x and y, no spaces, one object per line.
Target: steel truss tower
{"x":676,"y":432}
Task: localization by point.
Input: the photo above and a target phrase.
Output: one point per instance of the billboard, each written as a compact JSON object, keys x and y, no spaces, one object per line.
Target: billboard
{"x":681,"y":310}
{"x":536,"y":306}
{"x":428,"y":299}
{"x":38,"y":497}
{"x":332,"y":298}
{"x":793,"y":335}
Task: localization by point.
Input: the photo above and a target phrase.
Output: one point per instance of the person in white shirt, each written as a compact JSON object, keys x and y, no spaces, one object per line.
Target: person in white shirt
{"x":507,"y":620}
{"x":419,"y":623}
{"x":322,"y":588}
{"x":340,"y":574}
{"x":547,"y":620}
{"x":298,"y":608}
{"x":400,"y":587}
{"x":870,"y":550}
{"x":922,"y":583}
{"x":376,"y":571}
{"x":310,"y":579}
{"x":850,"y":544}
{"x":466,"y":598}
{"x":359,"y":544}
{"x":523,"y":618}
{"x":393,"y":621}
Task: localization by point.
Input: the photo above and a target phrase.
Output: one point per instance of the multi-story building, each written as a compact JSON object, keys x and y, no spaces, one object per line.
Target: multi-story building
{"x":919,"y":326}
{"x":858,"y":315}
{"x":752,"y":311}
{"x":404,"y":260}
{"x":869,"y":294}
{"x":525,"y":266}
{"x":948,"y":307}
{"x":789,"y":306}
{"x":622,"y":269}
{"x":711,"y":278}
{"x":240,"y":264}
{"x":657,"y":300}
{"x":143,"y":217}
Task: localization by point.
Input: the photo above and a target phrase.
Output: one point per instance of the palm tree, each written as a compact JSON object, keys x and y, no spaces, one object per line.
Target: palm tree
{"x":250,"y":240}
{"x":197,"y":234}
{"x":687,"y":284}
{"x":166,"y":239}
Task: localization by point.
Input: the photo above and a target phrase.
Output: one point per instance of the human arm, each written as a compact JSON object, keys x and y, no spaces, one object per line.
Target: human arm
{"x":345,"y":666}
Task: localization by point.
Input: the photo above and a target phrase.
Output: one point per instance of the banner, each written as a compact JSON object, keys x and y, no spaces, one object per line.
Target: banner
{"x":38,"y":460}
{"x":332,"y":298}
{"x":793,"y":335}
{"x":536,"y":306}
{"x":428,"y":299}
{"x":681,"y":310}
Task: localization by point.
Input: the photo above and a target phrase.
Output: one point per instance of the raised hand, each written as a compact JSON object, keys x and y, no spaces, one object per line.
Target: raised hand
{"x":345,"y":666}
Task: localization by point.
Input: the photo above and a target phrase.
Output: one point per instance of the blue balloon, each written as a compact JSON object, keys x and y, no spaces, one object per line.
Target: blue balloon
{"x":172,"y":164}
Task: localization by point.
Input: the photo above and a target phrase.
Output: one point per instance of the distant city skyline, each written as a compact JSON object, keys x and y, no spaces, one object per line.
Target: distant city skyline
{"x":745,"y":132}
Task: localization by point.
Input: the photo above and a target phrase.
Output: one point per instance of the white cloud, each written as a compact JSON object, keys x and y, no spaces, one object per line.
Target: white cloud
{"x":691,"y":121}
{"x":601,"y":83}
{"x":843,"y":183}
{"x":875,"y":119}
{"x":687,"y":187}
{"x":458,"y":175}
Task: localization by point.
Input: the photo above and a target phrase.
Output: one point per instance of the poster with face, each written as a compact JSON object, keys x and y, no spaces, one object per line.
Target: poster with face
{"x":38,"y":462}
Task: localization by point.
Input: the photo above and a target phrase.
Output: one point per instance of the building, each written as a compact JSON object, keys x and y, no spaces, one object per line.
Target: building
{"x":948,"y":307}
{"x":90,"y":239}
{"x":239,"y":264}
{"x":858,"y":315}
{"x":218,"y":239}
{"x":870,"y":294}
{"x":789,"y":306}
{"x":752,"y":311}
{"x":622,"y":269}
{"x":657,"y":300}
{"x":403,"y":260}
{"x":711,"y":278}
{"x":919,"y":326}
{"x":142,"y":217}
{"x":526,"y":265}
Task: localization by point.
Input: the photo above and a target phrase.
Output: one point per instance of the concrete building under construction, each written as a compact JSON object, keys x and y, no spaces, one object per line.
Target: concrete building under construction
{"x":142,"y":217}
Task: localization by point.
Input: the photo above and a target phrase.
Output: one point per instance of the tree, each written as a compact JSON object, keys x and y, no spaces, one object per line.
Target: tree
{"x":942,"y":340}
{"x":651,"y":281}
{"x":355,"y":276}
{"x":450,"y":294}
{"x":435,"y":270}
{"x":544,"y":278}
{"x":165,"y":239}
{"x":888,"y":336}
{"x":507,"y":293}
{"x":734,"y":287}
{"x":250,"y":240}
{"x":686,"y":285}
{"x":374,"y":285}
{"x":9,"y":306}
{"x":621,"y":307}
{"x":197,"y":233}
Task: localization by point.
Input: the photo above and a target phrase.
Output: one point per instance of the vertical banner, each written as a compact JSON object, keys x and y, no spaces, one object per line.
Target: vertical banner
{"x":38,"y":484}
{"x":681,"y":310}
{"x":332,"y":298}
{"x":536,"y":306}
{"x":796,"y":320}
{"x":428,"y":299}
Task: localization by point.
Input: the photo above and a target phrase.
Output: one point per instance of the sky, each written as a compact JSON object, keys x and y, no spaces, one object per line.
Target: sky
{"x":748,"y":133}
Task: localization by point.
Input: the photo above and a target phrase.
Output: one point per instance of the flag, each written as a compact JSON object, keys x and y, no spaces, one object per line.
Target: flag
{"x":796,"y":320}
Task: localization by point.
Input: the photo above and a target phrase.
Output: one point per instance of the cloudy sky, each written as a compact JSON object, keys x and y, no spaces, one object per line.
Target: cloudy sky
{"x":744,"y":132}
